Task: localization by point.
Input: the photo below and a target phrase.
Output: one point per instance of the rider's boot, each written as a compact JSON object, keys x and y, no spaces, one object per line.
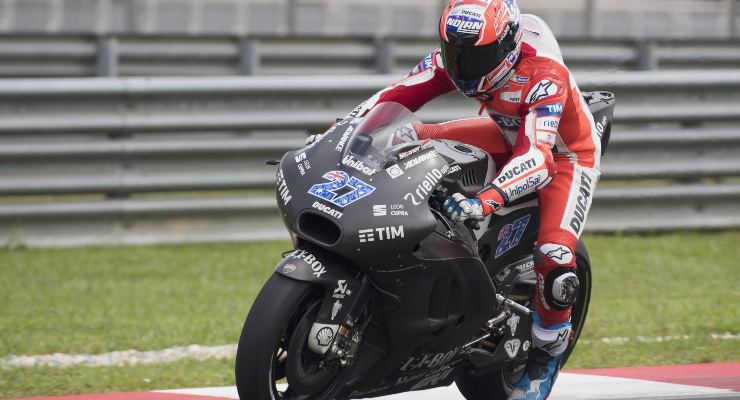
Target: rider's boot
{"x":548,"y":346}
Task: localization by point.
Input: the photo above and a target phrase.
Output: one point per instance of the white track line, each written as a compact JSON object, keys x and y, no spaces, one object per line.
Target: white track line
{"x":122,"y":358}
{"x":568,"y":387}
{"x":199,"y":352}
{"x":656,"y":339}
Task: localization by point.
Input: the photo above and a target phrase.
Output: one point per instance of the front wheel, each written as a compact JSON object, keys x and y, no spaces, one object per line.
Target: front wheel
{"x":499,"y":384}
{"x":274,"y":340}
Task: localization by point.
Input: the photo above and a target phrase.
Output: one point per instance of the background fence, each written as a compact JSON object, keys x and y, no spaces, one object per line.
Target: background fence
{"x":593,"y":18}
{"x":137,"y":55}
{"x":145,"y":160}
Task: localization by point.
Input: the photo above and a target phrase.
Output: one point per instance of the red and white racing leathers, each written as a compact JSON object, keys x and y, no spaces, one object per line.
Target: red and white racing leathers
{"x":542,"y":130}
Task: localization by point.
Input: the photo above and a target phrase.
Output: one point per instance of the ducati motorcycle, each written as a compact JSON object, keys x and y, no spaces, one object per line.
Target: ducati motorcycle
{"x":382,"y":294}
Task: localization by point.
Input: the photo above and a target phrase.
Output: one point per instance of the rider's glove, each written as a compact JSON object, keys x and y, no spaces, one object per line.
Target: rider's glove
{"x":460,"y":208}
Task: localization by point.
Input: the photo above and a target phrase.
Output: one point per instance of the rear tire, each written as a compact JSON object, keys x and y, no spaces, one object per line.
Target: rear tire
{"x":499,"y":384}
{"x":281,"y":308}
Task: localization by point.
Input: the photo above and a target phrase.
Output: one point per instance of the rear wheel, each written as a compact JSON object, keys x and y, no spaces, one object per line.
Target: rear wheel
{"x":273,"y":345}
{"x":499,"y":384}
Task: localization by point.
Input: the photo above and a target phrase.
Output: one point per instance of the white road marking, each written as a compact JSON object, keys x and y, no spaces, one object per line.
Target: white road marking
{"x":122,"y":358}
{"x":200,"y":352}
{"x":567,"y":387}
{"x":656,"y":339}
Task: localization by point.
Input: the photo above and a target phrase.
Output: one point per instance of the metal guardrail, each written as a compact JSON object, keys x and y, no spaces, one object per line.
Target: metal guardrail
{"x":115,"y":139}
{"x":89,"y":55}
{"x":594,"y":18}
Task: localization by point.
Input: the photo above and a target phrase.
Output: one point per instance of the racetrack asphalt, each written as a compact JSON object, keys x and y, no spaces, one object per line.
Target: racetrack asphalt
{"x":682,"y":382}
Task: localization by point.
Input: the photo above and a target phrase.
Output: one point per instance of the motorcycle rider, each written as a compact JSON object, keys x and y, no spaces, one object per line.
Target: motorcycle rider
{"x":540,"y":130}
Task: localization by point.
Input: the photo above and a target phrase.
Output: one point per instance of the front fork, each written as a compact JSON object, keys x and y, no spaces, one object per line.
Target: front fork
{"x":342,"y":323}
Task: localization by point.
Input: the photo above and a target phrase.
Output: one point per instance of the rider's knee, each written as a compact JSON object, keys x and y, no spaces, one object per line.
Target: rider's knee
{"x":557,"y":281}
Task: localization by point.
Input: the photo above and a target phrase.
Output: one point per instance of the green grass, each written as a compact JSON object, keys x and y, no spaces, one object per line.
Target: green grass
{"x":666,"y":285}
{"x":94,"y":300}
{"x":103,"y":299}
{"x":26,"y":382}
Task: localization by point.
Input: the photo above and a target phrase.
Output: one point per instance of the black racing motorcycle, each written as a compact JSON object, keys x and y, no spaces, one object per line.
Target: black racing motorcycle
{"x":382,"y":294}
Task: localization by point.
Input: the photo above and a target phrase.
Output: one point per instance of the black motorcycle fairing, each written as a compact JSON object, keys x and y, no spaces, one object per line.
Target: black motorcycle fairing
{"x":338,"y":277}
{"x":601,"y":104}
{"x":511,"y":237}
{"x":386,"y":225}
{"x":444,"y":304}
{"x":469,"y":167}
{"x":445,"y":300}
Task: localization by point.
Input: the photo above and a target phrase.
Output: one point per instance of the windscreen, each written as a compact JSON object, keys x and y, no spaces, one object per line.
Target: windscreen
{"x":386,"y":129}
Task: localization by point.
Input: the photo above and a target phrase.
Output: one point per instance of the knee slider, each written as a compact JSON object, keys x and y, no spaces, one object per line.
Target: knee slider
{"x":561,"y":288}
{"x":557,"y":281}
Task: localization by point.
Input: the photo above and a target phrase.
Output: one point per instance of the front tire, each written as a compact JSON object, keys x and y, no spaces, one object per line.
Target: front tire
{"x":499,"y":384}
{"x":283,"y":308}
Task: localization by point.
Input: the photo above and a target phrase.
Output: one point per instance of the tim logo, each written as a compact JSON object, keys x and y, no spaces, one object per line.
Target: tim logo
{"x":425,"y":64}
{"x":386,"y":233}
{"x":548,"y":110}
{"x":510,"y":235}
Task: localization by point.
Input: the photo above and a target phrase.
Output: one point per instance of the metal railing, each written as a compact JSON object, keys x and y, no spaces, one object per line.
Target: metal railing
{"x":105,"y":161}
{"x":132,"y":55}
{"x":582,"y":18}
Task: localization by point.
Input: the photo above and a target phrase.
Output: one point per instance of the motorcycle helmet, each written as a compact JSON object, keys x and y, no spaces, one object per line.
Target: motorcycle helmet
{"x":481,"y":43}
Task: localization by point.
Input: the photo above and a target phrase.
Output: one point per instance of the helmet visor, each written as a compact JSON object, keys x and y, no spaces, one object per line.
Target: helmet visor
{"x":470,"y":63}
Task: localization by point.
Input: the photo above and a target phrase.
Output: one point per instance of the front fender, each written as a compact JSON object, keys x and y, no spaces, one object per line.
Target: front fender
{"x":340,"y":279}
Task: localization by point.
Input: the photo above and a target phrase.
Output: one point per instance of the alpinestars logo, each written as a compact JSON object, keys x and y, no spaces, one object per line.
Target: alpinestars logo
{"x":542,"y":90}
{"x":562,"y":335}
{"x":342,"y":290}
{"x":557,"y":253}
